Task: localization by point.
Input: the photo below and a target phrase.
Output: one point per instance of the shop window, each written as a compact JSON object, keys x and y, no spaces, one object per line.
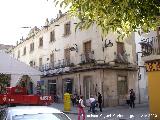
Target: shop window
{"x":52,"y":87}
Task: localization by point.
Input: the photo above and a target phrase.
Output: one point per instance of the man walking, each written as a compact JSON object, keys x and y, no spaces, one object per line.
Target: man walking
{"x":100,"y":101}
{"x":80,"y":108}
{"x":132,"y":98}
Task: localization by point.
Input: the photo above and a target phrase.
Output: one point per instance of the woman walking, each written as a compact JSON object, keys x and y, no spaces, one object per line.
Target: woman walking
{"x":80,"y":109}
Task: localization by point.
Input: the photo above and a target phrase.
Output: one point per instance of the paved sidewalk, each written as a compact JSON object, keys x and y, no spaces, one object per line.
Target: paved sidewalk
{"x":140,"y":112}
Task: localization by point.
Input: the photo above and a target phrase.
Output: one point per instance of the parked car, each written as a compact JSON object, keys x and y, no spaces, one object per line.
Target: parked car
{"x":33,"y":113}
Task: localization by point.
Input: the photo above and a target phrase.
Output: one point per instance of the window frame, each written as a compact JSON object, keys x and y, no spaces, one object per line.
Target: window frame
{"x":24,"y":50}
{"x":67,"y":30}
{"x":52,"y":36}
{"x":40,"y":42}
{"x":18,"y":56}
{"x":32,"y":47}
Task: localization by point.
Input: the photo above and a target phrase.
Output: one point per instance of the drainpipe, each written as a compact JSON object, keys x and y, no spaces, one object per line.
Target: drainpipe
{"x":139,"y":77}
{"x":103,"y":89}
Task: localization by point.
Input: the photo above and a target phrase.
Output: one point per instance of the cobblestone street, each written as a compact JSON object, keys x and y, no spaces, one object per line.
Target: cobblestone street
{"x":140,"y":112}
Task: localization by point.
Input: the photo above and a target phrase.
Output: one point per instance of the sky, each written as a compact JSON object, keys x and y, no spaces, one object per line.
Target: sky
{"x":15,"y":14}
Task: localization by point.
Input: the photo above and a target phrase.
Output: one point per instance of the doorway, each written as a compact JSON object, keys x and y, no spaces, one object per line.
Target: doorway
{"x":26,"y":82}
{"x":87,"y":83}
{"x":67,"y":85}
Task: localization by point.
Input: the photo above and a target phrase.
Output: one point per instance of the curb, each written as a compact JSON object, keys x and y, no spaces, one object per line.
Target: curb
{"x":67,"y":112}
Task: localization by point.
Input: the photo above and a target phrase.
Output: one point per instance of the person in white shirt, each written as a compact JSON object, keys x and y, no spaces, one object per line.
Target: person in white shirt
{"x":93,"y":104}
{"x":80,"y":108}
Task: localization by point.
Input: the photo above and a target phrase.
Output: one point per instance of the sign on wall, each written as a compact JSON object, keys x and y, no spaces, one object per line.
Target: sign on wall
{"x":153,"y":66}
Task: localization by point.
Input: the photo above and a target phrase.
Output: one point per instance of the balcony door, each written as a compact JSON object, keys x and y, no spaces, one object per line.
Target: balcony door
{"x":52,"y":60}
{"x":120,"y":48}
{"x":66,"y":56}
{"x":87,"y":50}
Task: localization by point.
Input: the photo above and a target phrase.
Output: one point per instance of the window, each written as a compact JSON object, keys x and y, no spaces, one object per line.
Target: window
{"x":67,"y":28}
{"x":31,"y":47}
{"x":24,"y":51}
{"x":52,"y":87}
{"x":52,"y":36}
{"x":120,"y":48}
{"x":122,"y":85}
{"x":18,"y":53}
{"x":40,"y":61}
{"x":40,"y":41}
{"x":52,"y":58}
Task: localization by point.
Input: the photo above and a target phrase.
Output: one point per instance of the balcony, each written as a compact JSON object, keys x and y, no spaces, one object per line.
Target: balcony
{"x":57,"y":64}
{"x":121,"y":58}
{"x":87,"y":58}
{"x":151,"y":49}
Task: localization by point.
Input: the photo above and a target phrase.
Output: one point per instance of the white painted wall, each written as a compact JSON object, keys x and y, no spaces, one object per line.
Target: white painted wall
{"x":143,"y":82}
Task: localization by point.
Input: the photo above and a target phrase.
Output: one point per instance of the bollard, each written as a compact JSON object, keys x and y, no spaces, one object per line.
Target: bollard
{"x":67,"y":102}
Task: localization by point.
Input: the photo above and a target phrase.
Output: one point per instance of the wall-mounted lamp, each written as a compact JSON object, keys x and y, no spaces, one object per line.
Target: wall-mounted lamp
{"x":139,"y":76}
{"x":74,"y":48}
{"x":109,"y":44}
{"x":56,"y":50}
{"x":56,"y":25}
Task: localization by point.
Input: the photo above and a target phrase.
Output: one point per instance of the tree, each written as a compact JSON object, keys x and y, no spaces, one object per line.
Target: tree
{"x":4,"y":82}
{"x":121,"y":16}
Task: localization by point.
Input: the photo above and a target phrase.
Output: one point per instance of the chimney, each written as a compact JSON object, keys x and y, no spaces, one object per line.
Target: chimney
{"x":17,"y":43}
{"x":60,"y":14}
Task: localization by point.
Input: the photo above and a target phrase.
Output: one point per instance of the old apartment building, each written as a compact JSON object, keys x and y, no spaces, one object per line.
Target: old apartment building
{"x":80,"y":61}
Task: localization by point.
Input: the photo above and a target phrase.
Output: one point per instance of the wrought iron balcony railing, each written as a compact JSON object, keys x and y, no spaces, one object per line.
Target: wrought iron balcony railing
{"x":57,"y":64}
{"x":121,"y":57}
{"x":87,"y":57}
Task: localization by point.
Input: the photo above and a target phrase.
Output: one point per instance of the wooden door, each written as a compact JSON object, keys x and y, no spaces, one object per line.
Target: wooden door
{"x":87,"y":50}
{"x":67,"y":56}
{"x":120,"y":48}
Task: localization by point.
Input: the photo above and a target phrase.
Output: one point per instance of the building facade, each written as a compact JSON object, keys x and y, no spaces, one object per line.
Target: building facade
{"x":151,"y":56}
{"x":80,"y":61}
{"x":142,"y":82}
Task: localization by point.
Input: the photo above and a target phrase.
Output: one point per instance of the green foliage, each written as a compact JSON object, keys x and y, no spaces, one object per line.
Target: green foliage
{"x":4,"y":82}
{"x":121,"y":16}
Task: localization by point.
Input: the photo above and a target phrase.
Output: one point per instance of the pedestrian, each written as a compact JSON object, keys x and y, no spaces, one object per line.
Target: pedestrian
{"x":80,"y":108}
{"x":128,"y":98}
{"x":77,"y":100}
{"x":100,"y":101}
{"x":92,"y":101}
{"x":73,"y":99}
{"x":132,"y":98}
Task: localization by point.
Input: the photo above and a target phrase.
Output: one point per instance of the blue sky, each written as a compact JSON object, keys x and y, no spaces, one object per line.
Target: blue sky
{"x":15,"y":14}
